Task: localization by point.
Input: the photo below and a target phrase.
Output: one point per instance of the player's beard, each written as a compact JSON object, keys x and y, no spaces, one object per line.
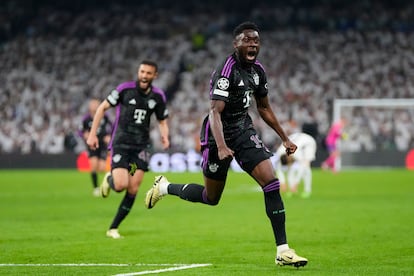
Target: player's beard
{"x":145,"y":85}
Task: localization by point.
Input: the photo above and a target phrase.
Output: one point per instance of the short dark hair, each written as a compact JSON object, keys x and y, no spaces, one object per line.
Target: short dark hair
{"x":245,"y":26}
{"x":151,"y":63}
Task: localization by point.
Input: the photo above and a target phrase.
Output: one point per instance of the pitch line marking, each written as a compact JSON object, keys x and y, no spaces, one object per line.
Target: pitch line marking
{"x":163,"y":270}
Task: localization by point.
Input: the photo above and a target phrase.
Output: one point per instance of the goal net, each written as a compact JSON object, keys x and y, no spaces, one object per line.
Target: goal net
{"x":378,"y":133}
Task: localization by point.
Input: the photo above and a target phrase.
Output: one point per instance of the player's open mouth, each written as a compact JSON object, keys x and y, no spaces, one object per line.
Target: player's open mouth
{"x":143,"y":84}
{"x":251,"y":55}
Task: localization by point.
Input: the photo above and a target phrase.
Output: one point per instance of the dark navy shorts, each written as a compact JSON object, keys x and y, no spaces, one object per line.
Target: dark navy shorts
{"x":248,"y":149}
{"x":100,"y":152}
{"x":130,"y":159}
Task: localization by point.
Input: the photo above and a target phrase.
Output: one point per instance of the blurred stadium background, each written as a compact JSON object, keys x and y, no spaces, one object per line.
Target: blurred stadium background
{"x":55,"y":55}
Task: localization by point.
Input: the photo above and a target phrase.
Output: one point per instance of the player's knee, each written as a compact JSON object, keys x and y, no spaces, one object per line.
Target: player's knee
{"x":119,"y":185}
{"x":213,"y":202}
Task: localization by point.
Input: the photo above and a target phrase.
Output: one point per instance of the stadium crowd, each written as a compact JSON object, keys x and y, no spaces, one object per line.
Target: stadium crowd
{"x":314,"y":52}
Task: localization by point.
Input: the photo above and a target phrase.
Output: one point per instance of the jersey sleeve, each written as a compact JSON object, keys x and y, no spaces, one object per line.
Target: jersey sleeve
{"x":115,"y":96}
{"x":221,"y":80}
{"x":82,"y":127}
{"x":85,"y":124}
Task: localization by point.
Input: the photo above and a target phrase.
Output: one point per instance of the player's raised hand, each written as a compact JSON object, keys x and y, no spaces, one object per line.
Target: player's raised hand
{"x":290,"y":147}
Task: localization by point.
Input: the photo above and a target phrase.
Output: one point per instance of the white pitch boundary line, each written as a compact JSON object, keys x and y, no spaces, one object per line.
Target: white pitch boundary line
{"x":163,"y":270}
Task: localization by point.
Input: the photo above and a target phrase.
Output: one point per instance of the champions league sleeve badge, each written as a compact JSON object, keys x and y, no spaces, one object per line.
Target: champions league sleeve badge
{"x":223,"y":83}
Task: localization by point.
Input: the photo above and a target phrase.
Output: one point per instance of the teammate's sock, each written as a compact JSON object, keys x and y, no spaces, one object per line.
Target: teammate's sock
{"x":123,"y":210}
{"x":275,"y":210}
{"x":307,"y":180}
{"x":190,"y":192}
{"x":94,"y":177}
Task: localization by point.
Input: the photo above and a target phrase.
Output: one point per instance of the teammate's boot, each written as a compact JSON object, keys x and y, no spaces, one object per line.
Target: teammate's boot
{"x":96,"y":192}
{"x":289,"y":257}
{"x":154,"y":194}
{"x":105,"y":188}
{"x":113,"y":233}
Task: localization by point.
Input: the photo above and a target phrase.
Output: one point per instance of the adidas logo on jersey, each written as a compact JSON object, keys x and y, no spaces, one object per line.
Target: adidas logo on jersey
{"x":132,"y":102}
{"x":241,"y":83}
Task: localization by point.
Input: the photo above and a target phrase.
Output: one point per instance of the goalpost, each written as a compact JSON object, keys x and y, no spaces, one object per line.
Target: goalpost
{"x":379,"y":132}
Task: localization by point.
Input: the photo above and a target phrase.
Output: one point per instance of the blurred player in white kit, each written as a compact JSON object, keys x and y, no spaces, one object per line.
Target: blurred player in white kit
{"x":294,"y":168}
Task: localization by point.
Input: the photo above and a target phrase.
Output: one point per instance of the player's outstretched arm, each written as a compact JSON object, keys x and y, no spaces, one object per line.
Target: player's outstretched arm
{"x":164,"y":131}
{"x":267,"y":114}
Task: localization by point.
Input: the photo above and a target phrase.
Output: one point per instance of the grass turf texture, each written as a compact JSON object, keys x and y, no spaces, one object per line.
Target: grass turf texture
{"x":355,"y":223}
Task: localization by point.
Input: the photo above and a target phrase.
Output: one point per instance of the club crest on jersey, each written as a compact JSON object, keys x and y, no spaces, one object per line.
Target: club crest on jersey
{"x":256,"y":79}
{"x":151,"y":104}
{"x":116,"y":158}
{"x":213,"y":167}
{"x":223,"y":83}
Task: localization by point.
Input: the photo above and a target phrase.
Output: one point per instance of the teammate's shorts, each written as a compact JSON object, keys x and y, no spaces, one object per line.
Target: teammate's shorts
{"x":100,"y":153}
{"x":130,"y":159}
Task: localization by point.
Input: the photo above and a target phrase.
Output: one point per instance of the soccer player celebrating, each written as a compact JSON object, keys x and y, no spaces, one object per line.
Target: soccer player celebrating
{"x":97,"y":157}
{"x":130,"y":146}
{"x":228,"y":133}
{"x":297,"y":166}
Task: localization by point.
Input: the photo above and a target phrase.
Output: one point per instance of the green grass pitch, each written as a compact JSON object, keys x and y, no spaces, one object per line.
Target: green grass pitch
{"x":356,"y":223}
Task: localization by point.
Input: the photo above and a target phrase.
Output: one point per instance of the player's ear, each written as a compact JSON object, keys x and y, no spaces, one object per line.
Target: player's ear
{"x":235,"y":43}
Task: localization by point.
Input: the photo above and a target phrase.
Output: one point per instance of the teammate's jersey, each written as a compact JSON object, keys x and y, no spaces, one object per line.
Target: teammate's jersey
{"x":133,"y":113}
{"x":104,"y":128}
{"x":306,"y":144}
{"x":235,"y":85}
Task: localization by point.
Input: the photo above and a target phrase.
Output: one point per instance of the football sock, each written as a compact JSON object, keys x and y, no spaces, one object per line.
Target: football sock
{"x":123,"y":210}
{"x":275,"y":210}
{"x":190,"y":192}
{"x":307,"y":180}
{"x":94,"y":177}
{"x":281,"y":248}
{"x":294,"y":175}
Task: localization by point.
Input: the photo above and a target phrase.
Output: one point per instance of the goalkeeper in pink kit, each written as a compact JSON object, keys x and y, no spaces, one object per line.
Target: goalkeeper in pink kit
{"x":335,"y":134}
